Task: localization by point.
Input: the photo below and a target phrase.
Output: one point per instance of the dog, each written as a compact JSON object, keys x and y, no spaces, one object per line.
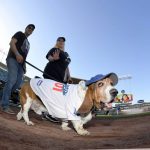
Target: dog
{"x":68,"y":102}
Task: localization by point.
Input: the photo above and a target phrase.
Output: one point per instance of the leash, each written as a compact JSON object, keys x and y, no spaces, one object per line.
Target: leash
{"x":41,"y":71}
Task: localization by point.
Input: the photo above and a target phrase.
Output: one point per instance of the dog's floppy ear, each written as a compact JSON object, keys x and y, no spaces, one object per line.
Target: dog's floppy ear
{"x":88,"y":101}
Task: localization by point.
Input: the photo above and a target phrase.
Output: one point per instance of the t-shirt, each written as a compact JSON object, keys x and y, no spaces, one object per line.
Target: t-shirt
{"x":22,"y":45}
{"x":57,"y":68}
{"x":61,"y":100}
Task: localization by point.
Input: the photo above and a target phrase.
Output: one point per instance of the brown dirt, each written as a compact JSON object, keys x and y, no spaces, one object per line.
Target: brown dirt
{"x":105,"y":133}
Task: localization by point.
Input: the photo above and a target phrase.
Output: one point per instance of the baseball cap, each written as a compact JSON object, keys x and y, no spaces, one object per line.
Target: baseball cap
{"x":61,"y":38}
{"x":99,"y":77}
{"x":31,"y":25}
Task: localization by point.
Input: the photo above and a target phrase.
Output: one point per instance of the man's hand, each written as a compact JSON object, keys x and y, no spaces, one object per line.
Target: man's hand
{"x":19,"y":58}
{"x":70,"y":81}
{"x":56,"y":55}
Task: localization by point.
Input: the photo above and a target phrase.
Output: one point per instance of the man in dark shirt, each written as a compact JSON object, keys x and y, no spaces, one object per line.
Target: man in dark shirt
{"x":19,"y":47}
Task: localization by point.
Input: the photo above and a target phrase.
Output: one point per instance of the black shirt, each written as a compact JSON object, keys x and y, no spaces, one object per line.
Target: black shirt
{"x":22,"y":45}
{"x":55,"y":70}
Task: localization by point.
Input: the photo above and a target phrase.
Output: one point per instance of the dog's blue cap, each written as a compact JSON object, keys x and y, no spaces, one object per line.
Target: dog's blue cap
{"x":99,"y":77}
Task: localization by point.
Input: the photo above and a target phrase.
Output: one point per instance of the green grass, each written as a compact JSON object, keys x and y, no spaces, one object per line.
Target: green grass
{"x":122,"y":116}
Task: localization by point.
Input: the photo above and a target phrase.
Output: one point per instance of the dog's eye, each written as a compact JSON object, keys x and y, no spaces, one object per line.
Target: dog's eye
{"x":100,"y":84}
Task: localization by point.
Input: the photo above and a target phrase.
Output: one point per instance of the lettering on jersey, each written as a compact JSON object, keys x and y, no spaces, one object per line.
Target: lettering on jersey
{"x":39,"y":82}
{"x":60,"y":87}
{"x":65,"y":89}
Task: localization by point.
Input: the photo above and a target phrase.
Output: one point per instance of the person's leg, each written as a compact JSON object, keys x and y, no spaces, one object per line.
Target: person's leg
{"x":15,"y":100}
{"x":1,"y":93}
{"x":2,"y":83}
{"x":12,"y":66}
{"x":19,"y":81}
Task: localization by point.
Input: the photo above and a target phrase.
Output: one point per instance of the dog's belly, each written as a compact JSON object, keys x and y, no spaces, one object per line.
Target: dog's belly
{"x":55,"y":107}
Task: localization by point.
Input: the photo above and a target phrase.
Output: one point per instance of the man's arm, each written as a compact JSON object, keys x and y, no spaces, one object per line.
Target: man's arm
{"x":13,"y":48}
{"x":53,"y":55}
{"x":67,"y":76}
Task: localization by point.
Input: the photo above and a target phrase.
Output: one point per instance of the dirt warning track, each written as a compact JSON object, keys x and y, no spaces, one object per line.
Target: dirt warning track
{"x":105,"y":133}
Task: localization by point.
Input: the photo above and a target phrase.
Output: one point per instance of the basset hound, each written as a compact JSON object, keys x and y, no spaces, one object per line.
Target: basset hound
{"x":68,"y":102}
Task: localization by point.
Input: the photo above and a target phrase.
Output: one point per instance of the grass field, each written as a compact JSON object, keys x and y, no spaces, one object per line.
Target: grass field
{"x":122,"y":116}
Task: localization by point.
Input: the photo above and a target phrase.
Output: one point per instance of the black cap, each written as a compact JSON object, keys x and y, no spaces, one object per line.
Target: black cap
{"x":31,"y":25}
{"x":61,"y":38}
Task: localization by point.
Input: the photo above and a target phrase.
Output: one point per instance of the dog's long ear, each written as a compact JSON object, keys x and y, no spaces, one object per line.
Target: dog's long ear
{"x":88,"y":101}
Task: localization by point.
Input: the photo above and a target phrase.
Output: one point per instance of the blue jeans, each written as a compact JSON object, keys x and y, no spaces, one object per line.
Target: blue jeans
{"x":14,"y":80}
{"x":1,"y":93}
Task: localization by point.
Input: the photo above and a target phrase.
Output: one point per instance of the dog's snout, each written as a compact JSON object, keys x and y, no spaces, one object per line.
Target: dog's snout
{"x":113,"y":92}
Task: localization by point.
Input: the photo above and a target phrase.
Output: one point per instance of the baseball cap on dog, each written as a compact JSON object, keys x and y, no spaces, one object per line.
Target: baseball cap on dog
{"x":99,"y":77}
{"x":61,"y":38}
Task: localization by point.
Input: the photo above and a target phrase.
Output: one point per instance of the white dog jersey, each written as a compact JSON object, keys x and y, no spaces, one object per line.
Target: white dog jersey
{"x":61,"y":100}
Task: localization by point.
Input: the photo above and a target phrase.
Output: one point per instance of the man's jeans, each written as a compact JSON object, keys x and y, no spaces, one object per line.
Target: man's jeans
{"x":15,"y":78}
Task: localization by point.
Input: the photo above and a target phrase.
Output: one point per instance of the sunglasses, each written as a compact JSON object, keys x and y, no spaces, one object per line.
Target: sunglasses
{"x":61,"y":40}
{"x":31,"y":28}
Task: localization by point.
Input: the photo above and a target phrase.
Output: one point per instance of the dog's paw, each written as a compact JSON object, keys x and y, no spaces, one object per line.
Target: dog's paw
{"x":19,"y":116}
{"x":66,"y":128}
{"x":83,"y":132}
{"x":30,"y":123}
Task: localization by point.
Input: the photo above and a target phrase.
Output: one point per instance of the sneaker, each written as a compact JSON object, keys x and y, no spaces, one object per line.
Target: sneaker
{"x":14,"y":104}
{"x":8,"y":111}
{"x":49,"y":118}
